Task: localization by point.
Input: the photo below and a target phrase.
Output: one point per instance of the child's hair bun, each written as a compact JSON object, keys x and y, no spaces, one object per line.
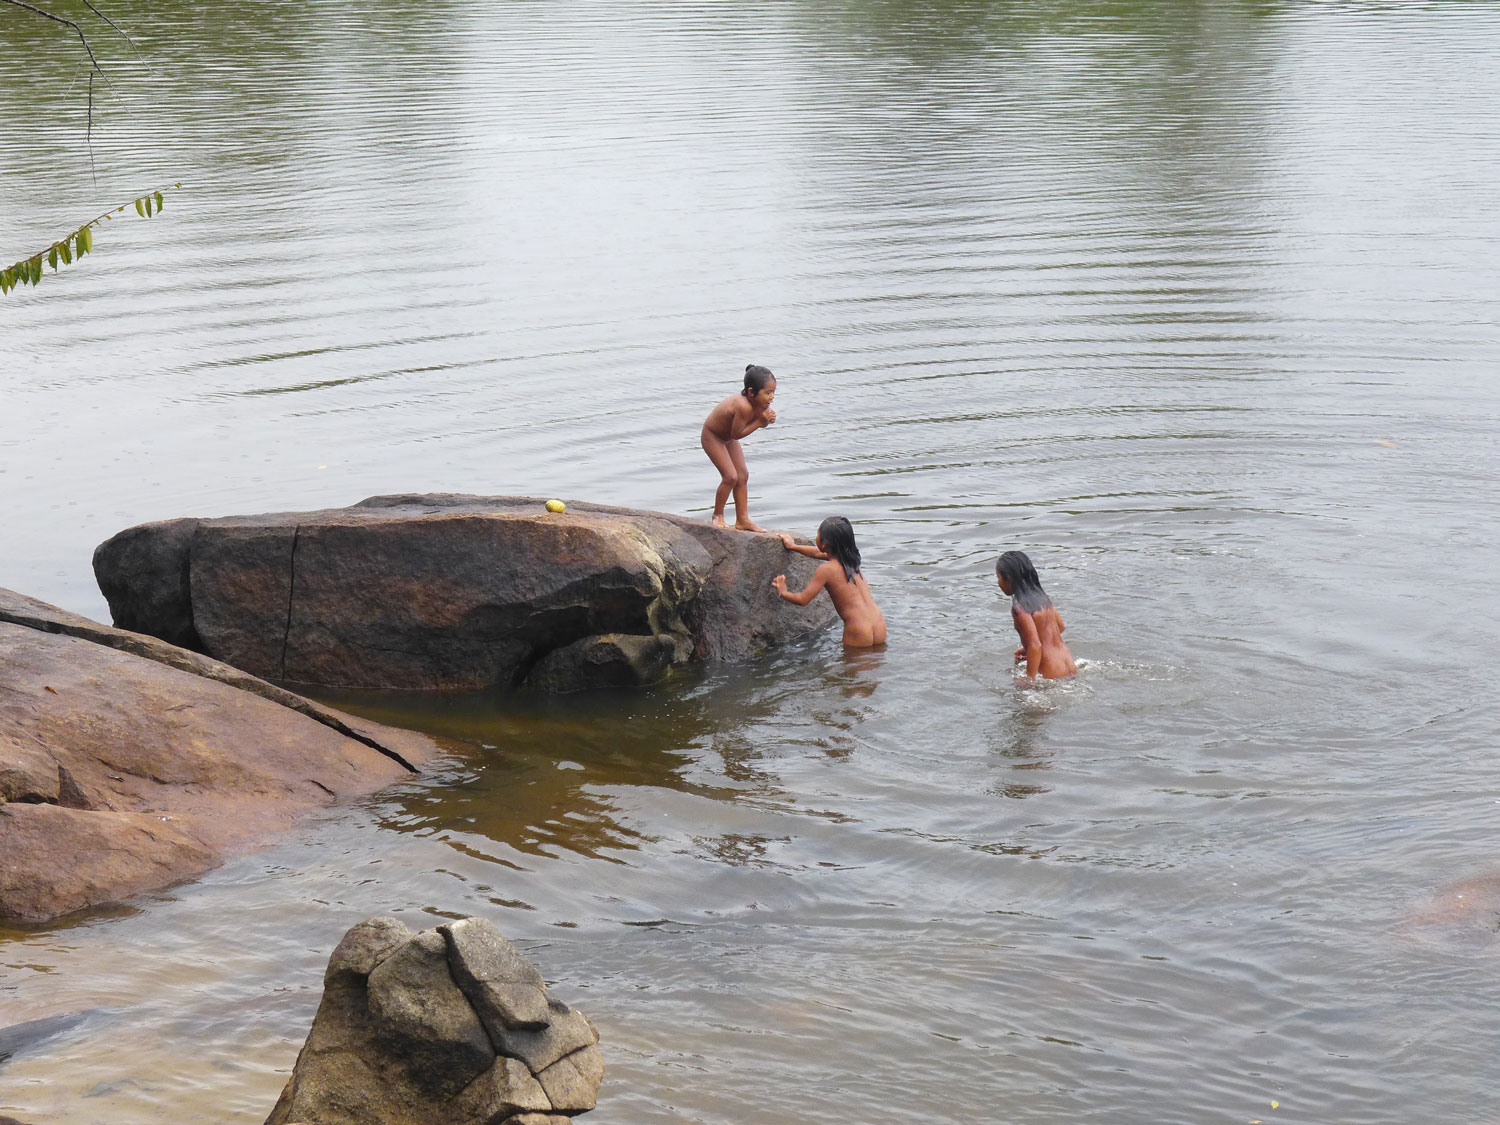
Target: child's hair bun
{"x":757,"y":378}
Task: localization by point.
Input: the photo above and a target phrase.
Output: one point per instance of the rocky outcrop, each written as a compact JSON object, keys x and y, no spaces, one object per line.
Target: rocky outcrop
{"x":127,"y":764}
{"x":451,"y":593}
{"x":450,"y":1025}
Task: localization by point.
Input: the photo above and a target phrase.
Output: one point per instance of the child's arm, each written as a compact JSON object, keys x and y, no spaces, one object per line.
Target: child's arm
{"x":1031,"y":642}
{"x":748,"y":424}
{"x":792,"y":545}
{"x":756,"y":424}
{"x":808,"y":592}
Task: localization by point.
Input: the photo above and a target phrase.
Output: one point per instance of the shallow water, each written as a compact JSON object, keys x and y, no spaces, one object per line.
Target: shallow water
{"x":1195,"y":303}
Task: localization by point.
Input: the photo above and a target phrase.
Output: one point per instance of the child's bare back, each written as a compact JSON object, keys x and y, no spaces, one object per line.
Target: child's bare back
{"x":1041,"y":633}
{"x":1036,"y":619}
{"x":864,"y":624}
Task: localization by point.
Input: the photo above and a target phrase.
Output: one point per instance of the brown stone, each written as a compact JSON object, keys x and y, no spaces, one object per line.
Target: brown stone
{"x":123,"y":771}
{"x":566,"y":1031}
{"x":55,"y":860}
{"x":364,"y":947}
{"x":404,"y":747}
{"x":504,"y":988}
{"x":609,"y":660}
{"x":448,"y":592}
{"x":504,"y":1090}
{"x":234,"y":571}
{"x":572,"y":1082}
{"x":392,"y":1052}
{"x":417,"y":1011}
{"x":146,"y":580}
{"x":27,"y":771}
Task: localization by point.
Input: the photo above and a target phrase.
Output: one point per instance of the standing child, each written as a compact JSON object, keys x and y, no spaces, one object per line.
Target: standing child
{"x":736,"y":417}
{"x":864,"y":625}
{"x":1036,"y":619}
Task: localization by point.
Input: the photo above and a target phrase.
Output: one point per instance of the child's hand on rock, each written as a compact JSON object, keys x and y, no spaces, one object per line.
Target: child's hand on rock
{"x":787,"y":541}
{"x":779,"y":582}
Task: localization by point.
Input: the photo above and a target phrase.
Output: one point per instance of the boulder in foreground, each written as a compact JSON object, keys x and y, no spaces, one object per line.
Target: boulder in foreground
{"x":449,"y":1025}
{"x":456,"y":593}
{"x":127,"y":764}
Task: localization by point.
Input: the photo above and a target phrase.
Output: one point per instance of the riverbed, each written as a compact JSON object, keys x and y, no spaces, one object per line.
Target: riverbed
{"x":1195,"y":303}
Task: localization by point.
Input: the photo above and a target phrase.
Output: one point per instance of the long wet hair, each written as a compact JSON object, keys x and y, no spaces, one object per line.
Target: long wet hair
{"x":837,"y":536}
{"x":756,"y":379}
{"x":1026,"y":591}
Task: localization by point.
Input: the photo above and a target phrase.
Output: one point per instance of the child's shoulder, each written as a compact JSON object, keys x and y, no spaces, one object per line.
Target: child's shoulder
{"x":729,"y":405}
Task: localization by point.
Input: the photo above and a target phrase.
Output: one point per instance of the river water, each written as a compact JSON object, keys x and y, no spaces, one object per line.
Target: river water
{"x":1193,"y":301}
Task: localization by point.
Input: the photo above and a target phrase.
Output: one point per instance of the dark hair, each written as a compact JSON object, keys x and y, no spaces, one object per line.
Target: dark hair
{"x":1025,"y":587}
{"x":837,"y":536}
{"x":756,"y":378}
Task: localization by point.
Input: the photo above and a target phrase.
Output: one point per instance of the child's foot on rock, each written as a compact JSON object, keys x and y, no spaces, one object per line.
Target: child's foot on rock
{"x":746,"y":525}
{"x":718,"y":521}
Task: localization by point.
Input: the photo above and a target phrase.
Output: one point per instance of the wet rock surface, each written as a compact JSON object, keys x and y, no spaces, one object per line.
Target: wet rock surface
{"x":127,"y":764}
{"x":449,"y":592}
{"x":449,"y":1025}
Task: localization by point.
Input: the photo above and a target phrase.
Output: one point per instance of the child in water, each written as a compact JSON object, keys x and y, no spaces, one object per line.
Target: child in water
{"x":1036,"y":619}
{"x":864,"y":626}
{"x":736,"y":417}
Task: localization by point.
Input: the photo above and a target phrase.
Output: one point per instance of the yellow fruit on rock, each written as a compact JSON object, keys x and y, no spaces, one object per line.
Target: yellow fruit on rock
{"x":556,"y":506}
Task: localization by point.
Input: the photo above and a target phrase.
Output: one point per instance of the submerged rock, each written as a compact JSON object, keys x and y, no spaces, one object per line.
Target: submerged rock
{"x":24,"y":1036}
{"x":611,"y":660}
{"x":450,"y":1025}
{"x":448,"y":592}
{"x":127,"y":764}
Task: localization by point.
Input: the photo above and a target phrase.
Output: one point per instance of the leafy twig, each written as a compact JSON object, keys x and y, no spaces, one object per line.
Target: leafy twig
{"x":69,"y":248}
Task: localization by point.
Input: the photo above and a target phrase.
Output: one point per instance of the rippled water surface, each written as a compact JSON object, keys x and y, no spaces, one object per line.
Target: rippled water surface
{"x":1195,"y":302}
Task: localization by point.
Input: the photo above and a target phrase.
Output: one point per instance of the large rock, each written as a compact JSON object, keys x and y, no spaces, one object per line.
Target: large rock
{"x":450,"y":592}
{"x":127,"y":764}
{"x":421,"y":1028}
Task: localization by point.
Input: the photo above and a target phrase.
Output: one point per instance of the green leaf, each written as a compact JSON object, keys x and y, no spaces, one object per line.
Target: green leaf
{"x":140,"y":208}
{"x":85,"y":241}
{"x":36,"y":270}
{"x":7,"y":280}
{"x":64,"y":251}
{"x":158,"y":202}
{"x":52,"y":258}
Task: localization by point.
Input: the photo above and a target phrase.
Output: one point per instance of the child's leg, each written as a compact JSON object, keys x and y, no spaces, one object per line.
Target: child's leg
{"x":718,"y":452}
{"x":742,"y":518}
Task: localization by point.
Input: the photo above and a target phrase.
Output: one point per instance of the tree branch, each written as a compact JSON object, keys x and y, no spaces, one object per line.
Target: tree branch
{"x":82,"y":38}
{"x":72,"y":247}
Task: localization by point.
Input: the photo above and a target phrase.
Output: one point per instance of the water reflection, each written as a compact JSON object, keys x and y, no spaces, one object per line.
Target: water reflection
{"x":534,"y":774}
{"x":1020,"y":741}
{"x":861,"y":671}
